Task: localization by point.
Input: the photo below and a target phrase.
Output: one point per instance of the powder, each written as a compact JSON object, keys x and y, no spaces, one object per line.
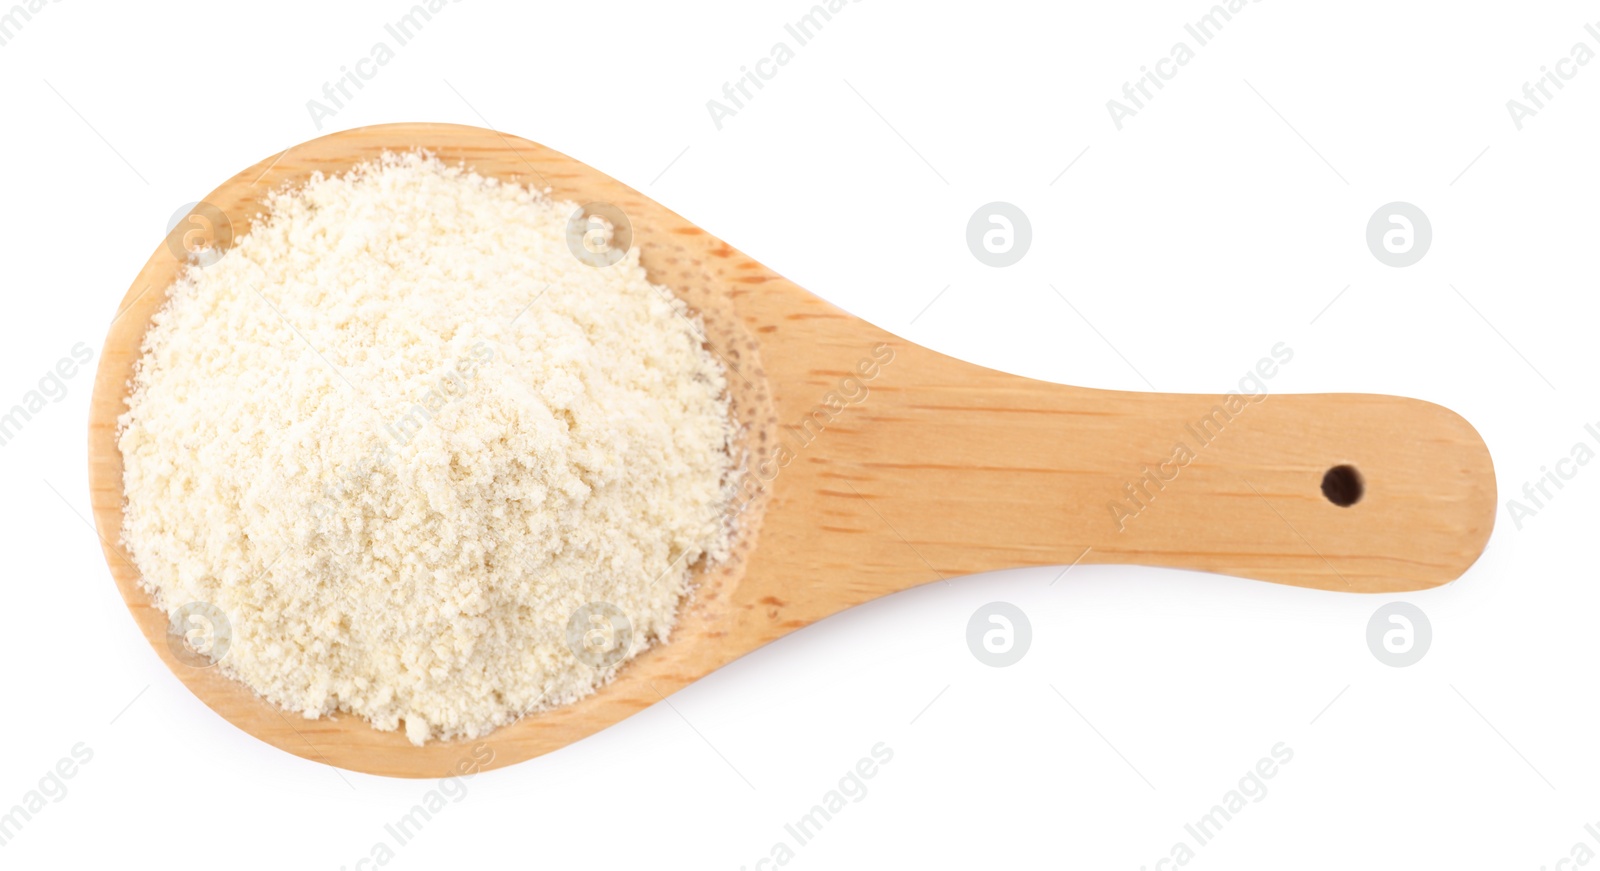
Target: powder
{"x":401,"y":437}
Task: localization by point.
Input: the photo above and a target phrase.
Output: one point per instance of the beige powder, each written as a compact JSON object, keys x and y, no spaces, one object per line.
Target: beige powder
{"x":399,"y":435}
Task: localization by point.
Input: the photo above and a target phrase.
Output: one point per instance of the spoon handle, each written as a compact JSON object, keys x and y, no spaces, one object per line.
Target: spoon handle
{"x":945,"y":468}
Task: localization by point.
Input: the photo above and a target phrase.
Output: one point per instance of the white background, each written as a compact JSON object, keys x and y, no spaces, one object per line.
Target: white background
{"x":1193,"y":239}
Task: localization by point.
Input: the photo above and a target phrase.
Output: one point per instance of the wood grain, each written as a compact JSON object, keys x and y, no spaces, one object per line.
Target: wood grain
{"x":869,"y":484}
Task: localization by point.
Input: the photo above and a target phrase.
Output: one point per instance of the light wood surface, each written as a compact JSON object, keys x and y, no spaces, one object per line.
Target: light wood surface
{"x":941,"y":468}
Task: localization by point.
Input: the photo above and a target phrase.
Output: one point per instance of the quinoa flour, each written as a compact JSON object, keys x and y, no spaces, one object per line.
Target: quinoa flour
{"x":399,"y":435}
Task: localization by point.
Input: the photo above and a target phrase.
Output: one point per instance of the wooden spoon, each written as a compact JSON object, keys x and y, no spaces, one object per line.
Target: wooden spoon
{"x":878,"y":465}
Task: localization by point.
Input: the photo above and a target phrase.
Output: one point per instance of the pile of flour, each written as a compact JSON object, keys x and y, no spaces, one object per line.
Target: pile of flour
{"x":399,"y":435}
